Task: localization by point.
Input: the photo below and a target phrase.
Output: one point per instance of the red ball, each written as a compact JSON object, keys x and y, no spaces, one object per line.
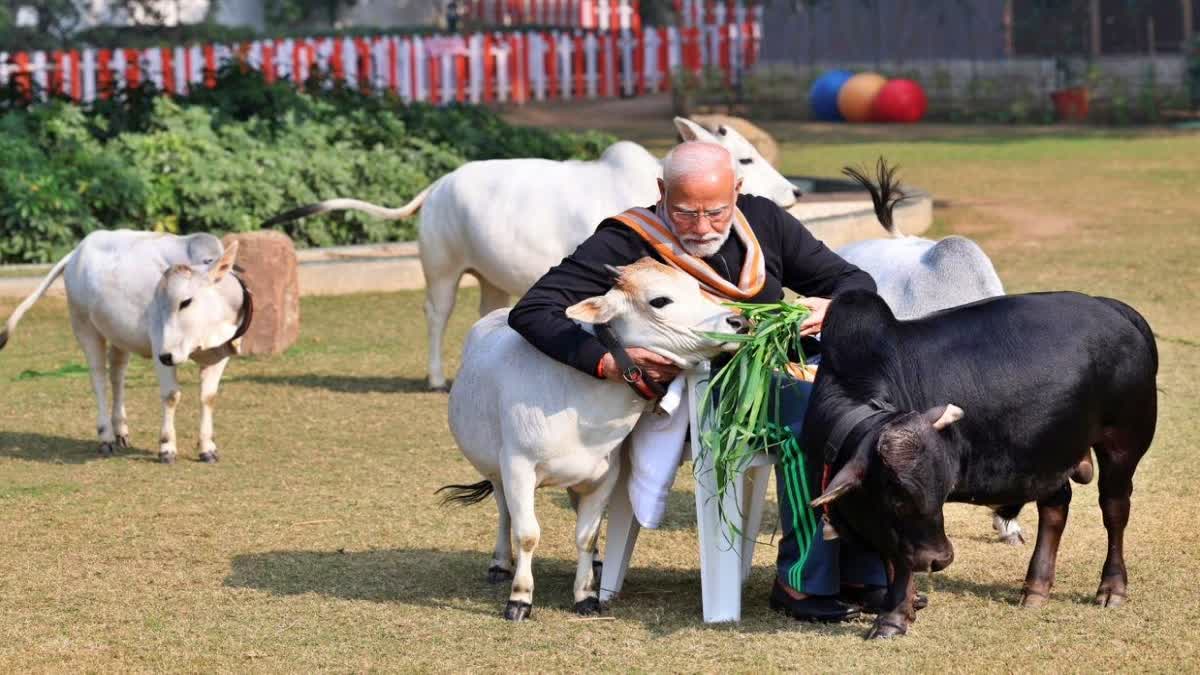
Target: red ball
{"x":900,"y":101}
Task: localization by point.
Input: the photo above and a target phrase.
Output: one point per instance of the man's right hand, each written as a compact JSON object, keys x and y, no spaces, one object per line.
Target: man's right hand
{"x":655,"y":367}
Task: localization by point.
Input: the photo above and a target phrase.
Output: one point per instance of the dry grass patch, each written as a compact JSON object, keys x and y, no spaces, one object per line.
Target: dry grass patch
{"x":316,"y":543}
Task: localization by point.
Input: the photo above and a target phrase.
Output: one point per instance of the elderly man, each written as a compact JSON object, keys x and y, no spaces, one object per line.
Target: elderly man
{"x":690,"y":228}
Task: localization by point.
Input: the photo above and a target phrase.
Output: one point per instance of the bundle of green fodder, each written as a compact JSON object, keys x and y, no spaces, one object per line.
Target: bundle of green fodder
{"x":740,"y":412}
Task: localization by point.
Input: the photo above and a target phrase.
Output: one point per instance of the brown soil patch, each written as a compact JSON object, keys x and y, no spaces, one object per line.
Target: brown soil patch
{"x":638,"y":119}
{"x":1004,"y":224}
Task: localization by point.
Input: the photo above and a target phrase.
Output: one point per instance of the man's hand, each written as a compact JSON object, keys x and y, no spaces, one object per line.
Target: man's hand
{"x":812,"y":324}
{"x":655,"y":367}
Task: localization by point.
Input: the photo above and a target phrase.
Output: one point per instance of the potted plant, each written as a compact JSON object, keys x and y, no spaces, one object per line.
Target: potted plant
{"x":1070,"y":95}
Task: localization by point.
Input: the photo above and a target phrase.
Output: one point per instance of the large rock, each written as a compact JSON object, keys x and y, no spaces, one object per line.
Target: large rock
{"x":270,"y":271}
{"x":761,"y":140}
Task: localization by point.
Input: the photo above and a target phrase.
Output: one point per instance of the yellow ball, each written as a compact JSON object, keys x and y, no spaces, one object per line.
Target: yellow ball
{"x":857,"y":95}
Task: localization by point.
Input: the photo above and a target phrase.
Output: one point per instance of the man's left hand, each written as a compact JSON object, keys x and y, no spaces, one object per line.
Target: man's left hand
{"x":812,"y":324}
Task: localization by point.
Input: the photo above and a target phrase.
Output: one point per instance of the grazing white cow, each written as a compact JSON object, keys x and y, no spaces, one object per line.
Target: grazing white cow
{"x":918,"y":276}
{"x":508,"y":221}
{"x":161,"y":296}
{"x":526,"y":421}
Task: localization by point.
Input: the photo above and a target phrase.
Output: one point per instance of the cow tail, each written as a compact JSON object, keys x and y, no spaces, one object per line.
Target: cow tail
{"x":19,"y":312}
{"x":467,"y":495}
{"x":351,"y":205}
{"x":885,"y":192}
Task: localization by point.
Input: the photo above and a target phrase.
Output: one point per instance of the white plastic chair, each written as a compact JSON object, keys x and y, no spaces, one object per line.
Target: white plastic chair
{"x":724,"y":565}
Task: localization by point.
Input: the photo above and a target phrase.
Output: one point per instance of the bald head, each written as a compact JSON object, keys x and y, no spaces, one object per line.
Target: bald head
{"x":698,"y":193}
{"x":698,"y":161}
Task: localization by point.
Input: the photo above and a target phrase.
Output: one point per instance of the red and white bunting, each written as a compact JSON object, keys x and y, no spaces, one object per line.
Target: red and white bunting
{"x":601,"y":52}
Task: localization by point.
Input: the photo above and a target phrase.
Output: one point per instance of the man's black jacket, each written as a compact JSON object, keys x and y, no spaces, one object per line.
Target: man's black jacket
{"x":794,"y":259}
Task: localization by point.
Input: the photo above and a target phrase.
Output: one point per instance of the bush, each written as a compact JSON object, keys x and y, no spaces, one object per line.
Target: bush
{"x":227,"y":159}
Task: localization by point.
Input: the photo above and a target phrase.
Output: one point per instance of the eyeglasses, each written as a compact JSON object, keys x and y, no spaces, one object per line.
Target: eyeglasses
{"x":691,"y":217}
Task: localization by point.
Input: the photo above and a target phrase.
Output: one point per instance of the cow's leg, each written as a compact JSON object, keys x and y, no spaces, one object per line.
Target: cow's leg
{"x":597,"y":564}
{"x":491,"y":296}
{"x":501,"y":568}
{"x":1004,"y":521}
{"x":168,"y":389}
{"x":520,"y":482}
{"x":894,"y":621}
{"x":93,"y":345}
{"x":587,"y":528}
{"x":1118,"y":458}
{"x":441,"y":291}
{"x":1052,"y":520}
{"x":118,"y":361}
{"x":210,"y":380}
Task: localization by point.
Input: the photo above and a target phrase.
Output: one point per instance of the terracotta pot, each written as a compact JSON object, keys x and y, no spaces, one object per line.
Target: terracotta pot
{"x":1071,"y":105}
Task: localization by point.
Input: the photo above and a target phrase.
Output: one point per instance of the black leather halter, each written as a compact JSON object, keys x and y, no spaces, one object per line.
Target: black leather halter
{"x":247,"y":314}
{"x":848,"y":422}
{"x":632,"y":373}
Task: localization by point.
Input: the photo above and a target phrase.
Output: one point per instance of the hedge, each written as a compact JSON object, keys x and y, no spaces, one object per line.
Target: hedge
{"x":226,"y":159}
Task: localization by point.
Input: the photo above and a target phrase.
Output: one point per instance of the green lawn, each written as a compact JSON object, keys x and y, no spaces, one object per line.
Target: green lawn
{"x":316,"y":543}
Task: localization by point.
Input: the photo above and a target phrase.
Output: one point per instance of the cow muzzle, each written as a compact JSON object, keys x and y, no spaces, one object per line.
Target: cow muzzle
{"x":739,"y":324}
{"x":933,"y":560}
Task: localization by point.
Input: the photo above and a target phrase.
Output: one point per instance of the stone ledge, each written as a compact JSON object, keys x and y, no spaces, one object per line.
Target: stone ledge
{"x":834,"y":212}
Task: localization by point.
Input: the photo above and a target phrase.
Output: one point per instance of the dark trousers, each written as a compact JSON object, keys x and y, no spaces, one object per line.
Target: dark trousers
{"x":807,"y":562}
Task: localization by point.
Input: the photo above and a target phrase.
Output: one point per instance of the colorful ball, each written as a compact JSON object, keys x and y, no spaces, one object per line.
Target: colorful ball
{"x":856,"y":96}
{"x":900,"y":101}
{"x":823,"y":97}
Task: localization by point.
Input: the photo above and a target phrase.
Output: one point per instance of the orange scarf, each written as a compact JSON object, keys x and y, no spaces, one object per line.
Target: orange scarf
{"x":662,"y":239}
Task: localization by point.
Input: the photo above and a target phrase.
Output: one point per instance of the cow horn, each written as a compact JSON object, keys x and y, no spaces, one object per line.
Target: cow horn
{"x":614,"y":271}
{"x":845,"y":480}
{"x":949,"y":415}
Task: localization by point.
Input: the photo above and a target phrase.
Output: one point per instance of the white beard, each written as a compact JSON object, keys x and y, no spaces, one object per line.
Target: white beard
{"x":700,"y":248}
{"x":709,"y":246}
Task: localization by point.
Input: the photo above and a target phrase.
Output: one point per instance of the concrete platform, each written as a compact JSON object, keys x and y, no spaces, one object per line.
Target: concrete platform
{"x":833,"y":210}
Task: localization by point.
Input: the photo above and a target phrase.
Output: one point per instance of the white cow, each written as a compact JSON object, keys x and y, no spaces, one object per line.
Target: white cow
{"x":508,"y":221}
{"x":918,"y":276}
{"x":526,"y":421}
{"x":157,"y":295}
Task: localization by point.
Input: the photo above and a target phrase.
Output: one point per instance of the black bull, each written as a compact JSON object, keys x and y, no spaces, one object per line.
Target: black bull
{"x":1039,"y":379}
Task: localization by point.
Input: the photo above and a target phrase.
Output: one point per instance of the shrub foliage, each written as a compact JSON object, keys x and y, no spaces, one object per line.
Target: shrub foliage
{"x":226,"y":159}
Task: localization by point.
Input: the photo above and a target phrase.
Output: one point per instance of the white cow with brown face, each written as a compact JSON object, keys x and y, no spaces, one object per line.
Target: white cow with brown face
{"x":526,"y":421}
{"x":160,"y":296}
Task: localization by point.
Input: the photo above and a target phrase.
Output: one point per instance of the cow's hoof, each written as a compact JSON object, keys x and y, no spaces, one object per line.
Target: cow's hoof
{"x":1110,"y":595}
{"x":1015,"y":539}
{"x":516,"y":610}
{"x":884,"y":630}
{"x":209,"y":457}
{"x":106,"y":450}
{"x":166,"y":457}
{"x":497,"y":574}
{"x":589,"y":607}
{"x":439,"y":388}
{"x":1033,"y":599}
{"x":123,"y":441}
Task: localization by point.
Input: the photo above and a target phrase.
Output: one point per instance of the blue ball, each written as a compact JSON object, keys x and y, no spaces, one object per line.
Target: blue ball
{"x":823,"y":97}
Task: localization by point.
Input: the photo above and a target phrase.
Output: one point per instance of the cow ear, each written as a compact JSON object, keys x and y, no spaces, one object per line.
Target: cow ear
{"x":593,"y":310}
{"x":220,"y":268}
{"x":850,"y":477}
{"x":943,"y":416}
{"x":690,"y":131}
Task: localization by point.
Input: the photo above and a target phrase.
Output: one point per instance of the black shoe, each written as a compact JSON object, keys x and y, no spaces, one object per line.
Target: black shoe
{"x":825,"y":608}
{"x":872,"y":598}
